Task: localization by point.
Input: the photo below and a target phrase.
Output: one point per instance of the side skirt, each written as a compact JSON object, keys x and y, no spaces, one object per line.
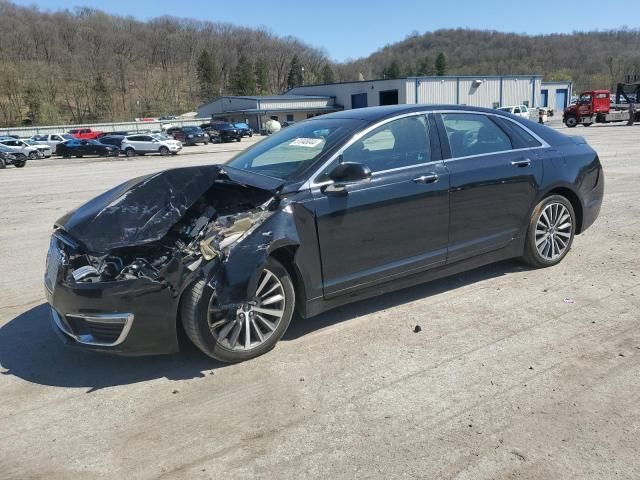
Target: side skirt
{"x":319,"y":305}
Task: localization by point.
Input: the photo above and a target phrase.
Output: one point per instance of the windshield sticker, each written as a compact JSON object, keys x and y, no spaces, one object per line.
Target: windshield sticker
{"x":306,"y":142}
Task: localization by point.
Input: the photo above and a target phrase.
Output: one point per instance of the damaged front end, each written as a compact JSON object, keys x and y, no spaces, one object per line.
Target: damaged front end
{"x":117,"y":266}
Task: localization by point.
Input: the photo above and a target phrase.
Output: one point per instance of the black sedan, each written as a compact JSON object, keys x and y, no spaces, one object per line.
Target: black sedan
{"x":80,"y":148}
{"x":328,"y":211}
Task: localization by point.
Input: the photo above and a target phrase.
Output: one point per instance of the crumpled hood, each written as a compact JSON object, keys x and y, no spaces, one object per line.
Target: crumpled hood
{"x":144,"y":209}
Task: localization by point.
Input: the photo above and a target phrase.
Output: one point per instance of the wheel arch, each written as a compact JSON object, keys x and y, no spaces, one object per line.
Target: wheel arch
{"x":286,"y":256}
{"x":573,"y":198}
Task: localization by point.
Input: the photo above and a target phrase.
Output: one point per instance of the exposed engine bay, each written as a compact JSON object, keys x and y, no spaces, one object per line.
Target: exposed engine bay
{"x":225,"y":214}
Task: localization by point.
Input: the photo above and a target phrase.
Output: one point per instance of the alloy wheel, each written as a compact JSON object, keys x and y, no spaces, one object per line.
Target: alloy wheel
{"x":251,"y":323}
{"x":554,"y":229}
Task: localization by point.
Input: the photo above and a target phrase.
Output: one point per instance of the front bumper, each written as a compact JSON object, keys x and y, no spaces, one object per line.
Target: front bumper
{"x":129,"y":317}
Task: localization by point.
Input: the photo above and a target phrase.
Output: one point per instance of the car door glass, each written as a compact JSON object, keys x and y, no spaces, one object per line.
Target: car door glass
{"x":520,"y":138}
{"x":473,"y":134}
{"x":516,"y":110}
{"x":396,"y":144}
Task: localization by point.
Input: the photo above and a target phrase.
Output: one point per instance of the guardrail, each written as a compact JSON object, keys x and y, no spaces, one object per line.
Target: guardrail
{"x":25,"y":132}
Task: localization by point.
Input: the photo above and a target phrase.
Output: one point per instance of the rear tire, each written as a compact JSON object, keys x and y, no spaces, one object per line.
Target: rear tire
{"x":3,"y":165}
{"x":551,"y":231}
{"x":205,"y":325}
{"x":130,"y":152}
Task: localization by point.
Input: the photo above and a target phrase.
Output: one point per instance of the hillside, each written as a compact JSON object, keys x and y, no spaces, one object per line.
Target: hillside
{"x":591,"y":59}
{"x":84,"y":65}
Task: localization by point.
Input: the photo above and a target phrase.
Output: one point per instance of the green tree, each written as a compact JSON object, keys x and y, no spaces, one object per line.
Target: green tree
{"x":101,"y":97}
{"x":392,"y":71}
{"x":262,"y":77}
{"x":295,"y":73}
{"x":32,"y":98}
{"x":207,"y":76}
{"x":327,"y":74}
{"x":243,"y":79}
{"x":425,"y":67}
{"x":441,"y":65}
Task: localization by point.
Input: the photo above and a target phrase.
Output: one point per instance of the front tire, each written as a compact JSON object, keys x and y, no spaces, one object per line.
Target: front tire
{"x":33,"y":155}
{"x":3,"y":164}
{"x":239,"y":334}
{"x":164,"y":151}
{"x":571,"y":121}
{"x":551,"y":230}
{"x":20,"y":164}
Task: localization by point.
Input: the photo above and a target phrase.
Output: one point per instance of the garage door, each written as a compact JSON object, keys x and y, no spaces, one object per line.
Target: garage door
{"x":561,"y":98}
{"x":359,"y":100}
{"x":545,"y":98}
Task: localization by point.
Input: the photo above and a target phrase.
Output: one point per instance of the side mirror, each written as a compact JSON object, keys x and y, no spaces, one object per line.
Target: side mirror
{"x":344,"y":174}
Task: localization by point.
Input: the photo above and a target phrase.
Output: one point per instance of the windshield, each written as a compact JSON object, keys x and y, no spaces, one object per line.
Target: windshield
{"x":290,"y":152}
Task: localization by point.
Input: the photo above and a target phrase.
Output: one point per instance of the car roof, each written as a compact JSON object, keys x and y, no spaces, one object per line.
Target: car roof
{"x":372,"y":114}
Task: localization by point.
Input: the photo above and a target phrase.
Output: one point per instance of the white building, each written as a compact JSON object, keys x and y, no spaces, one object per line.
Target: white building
{"x":479,"y":90}
{"x":307,"y":101}
{"x":556,"y":95}
{"x":258,"y":109}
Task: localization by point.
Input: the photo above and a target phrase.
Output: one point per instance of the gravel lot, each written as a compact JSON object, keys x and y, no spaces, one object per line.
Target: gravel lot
{"x":516,"y":373}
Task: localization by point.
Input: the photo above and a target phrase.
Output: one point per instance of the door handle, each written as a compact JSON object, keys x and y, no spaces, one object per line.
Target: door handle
{"x":521,"y":163}
{"x":428,"y":178}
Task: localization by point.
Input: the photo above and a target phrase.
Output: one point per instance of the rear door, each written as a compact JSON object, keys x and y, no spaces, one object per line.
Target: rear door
{"x":394,"y":225}
{"x":495,"y":175}
{"x":136,"y":142}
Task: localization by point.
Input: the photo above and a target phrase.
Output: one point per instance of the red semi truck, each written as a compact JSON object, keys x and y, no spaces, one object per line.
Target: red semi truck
{"x":596,"y":106}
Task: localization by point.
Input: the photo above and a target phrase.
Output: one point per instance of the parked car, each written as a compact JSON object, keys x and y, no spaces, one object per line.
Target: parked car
{"x":22,"y":147}
{"x":113,"y":140}
{"x":189,"y":135}
{"x":518,"y":110}
{"x":86,"y":133}
{"x":338,"y":208}
{"x":245,"y":130}
{"x":80,"y":148}
{"x":227,"y":131}
{"x":43,"y":147}
{"x":11,"y":157}
{"x":141,"y":144}
{"x":122,"y":133}
{"x":52,"y":139}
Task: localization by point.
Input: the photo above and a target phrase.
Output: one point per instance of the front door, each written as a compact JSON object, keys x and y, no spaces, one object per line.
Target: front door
{"x":394,"y":225}
{"x":495,"y":170}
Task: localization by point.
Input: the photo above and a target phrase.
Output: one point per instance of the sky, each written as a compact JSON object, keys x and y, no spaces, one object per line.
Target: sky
{"x":348,"y":29}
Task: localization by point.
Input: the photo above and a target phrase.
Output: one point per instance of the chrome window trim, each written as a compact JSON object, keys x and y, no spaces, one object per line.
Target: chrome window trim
{"x":311,"y":184}
{"x":61,"y":323}
{"x":543,"y":143}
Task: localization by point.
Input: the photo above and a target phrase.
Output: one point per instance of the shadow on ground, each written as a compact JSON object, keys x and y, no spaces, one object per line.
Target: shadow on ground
{"x":30,"y":350}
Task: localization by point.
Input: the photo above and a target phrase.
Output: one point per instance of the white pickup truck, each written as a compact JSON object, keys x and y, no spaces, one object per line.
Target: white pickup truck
{"x":52,"y":139}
